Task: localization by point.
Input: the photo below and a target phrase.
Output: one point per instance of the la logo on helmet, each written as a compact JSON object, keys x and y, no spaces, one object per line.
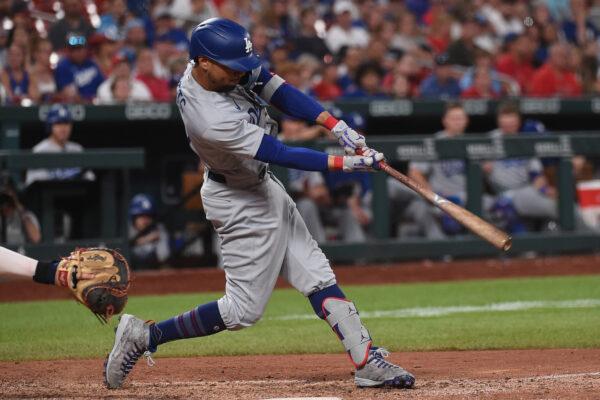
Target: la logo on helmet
{"x":248,"y":45}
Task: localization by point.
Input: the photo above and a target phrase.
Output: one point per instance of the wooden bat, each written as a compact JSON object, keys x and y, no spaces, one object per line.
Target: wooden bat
{"x":472,"y":222}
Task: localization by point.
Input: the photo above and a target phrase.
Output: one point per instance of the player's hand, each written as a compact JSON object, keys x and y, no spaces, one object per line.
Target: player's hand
{"x":348,"y":138}
{"x":363,"y":163}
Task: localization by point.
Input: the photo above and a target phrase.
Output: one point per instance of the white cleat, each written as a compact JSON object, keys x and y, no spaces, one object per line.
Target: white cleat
{"x":378,"y":372}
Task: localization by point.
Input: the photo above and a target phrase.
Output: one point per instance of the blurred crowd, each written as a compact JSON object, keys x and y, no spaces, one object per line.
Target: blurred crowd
{"x":113,"y":51}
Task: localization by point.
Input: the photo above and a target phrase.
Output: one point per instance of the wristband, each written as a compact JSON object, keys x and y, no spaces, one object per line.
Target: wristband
{"x":335,"y":163}
{"x":330,"y":122}
{"x":45,"y":272}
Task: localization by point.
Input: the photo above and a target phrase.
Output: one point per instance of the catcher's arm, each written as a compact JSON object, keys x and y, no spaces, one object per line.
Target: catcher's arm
{"x":97,"y":278}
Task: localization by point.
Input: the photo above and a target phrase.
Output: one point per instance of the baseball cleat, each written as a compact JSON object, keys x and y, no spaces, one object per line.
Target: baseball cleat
{"x":378,"y":372}
{"x":132,"y":340}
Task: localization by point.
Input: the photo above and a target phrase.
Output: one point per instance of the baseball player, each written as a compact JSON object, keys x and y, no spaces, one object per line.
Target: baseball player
{"x":222,"y":99}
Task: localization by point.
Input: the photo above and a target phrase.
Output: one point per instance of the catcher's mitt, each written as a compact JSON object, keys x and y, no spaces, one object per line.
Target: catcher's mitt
{"x":98,"y":278}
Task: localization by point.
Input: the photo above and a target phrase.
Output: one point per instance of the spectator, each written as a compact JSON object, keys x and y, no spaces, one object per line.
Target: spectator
{"x":77,"y":76}
{"x":441,"y":83}
{"x":59,"y":125}
{"x":343,"y":32}
{"x":164,"y":25}
{"x":503,"y":17}
{"x":555,"y":78}
{"x":462,"y":51}
{"x":15,"y":78}
{"x":482,"y":88}
{"x":135,"y":35}
{"x":307,"y":40}
{"x":369,"y":78}
{"x":149,"y":239}
{"x":18,"y":226}
{"x":409,"y":38}
{"x":145,"y":73}
{"x":112,"y":23}
{"x":74,"y":21}
{"x":42,"y":76}
{"x":516,"y":61}
{"x":104,"y":49}
{"x":327,"y":89}
{"x":164,"y":51}
{"x":405,"y":78}
{"x":189,"y":13}
{"x":136,"y":90}
{"x":484,"y":60}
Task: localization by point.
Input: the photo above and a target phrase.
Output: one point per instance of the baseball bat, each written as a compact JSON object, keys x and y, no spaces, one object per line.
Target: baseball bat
{"x":472,"y":222}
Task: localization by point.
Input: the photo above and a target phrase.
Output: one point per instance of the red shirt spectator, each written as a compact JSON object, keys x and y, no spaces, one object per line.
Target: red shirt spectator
{"x":516,"y":62}
{"x":145,"y":73}
{"x":554,"y":77}
{"x":328,"y":89}
{"x":482,"y":87}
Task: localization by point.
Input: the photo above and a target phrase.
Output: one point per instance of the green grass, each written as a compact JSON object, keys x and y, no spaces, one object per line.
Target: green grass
{"x":64,"y":329}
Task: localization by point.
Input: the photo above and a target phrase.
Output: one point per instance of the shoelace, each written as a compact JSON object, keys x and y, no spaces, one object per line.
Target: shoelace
{"x":132,"y":357}
{"x":378,"y":358}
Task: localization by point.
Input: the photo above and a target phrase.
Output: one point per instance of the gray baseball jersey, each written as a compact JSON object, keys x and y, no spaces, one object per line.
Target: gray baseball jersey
{"x":260,"y":230}
{"x":446,"y":177}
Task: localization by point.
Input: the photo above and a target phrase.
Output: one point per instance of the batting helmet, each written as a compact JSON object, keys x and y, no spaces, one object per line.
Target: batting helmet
{"x":141,"y":204}
{"x":225,"y":42}
{"x":58,"y":114}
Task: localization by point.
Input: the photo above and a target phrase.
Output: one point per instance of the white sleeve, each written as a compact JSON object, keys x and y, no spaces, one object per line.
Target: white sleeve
{"x":237,"y":137}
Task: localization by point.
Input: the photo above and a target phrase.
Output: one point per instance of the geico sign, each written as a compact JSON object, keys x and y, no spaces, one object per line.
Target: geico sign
{"x":148,"y":111}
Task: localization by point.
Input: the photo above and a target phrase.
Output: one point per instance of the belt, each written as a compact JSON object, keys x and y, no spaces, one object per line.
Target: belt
{"x":216,"y":177}
{"x":221,"y":178}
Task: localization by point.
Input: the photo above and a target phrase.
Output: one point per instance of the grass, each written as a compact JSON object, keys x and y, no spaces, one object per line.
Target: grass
{"x":64,"y":329}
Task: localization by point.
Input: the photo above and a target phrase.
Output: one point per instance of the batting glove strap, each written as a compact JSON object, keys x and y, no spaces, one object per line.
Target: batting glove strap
{"x":348,"y":138}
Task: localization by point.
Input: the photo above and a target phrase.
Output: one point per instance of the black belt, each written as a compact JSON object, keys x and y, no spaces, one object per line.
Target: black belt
{"x":216,"y":177}
{"x":221,"y":178}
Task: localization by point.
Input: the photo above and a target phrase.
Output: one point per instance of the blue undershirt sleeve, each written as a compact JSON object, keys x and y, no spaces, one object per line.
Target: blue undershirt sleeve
{"x":274,"y":151}
{"x":273,"y":89}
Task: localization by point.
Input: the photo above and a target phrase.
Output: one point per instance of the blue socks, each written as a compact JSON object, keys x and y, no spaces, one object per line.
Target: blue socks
{"x":316,"y":299}
{"x":203,"y":320}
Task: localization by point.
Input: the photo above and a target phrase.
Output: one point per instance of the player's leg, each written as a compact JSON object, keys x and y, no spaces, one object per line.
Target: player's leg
{"x":252,"y":255}
{"x":308,"y":270}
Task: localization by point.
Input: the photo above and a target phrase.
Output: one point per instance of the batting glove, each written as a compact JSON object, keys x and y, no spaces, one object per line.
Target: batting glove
{"x":348,"y":138}
{"x":362,"y":163}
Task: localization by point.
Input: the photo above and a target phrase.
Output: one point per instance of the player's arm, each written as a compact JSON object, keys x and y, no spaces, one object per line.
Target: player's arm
{"x":274,"y":151}
{"x":275,"y":90}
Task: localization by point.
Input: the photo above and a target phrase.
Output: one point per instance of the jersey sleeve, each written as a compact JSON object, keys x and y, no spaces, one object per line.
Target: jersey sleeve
{"x":237,"y":137}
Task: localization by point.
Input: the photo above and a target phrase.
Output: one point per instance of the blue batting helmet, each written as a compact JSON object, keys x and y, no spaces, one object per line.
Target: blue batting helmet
{"x":141,"y":204}
{"x":225,"y":42}
{"x":58,"y":114}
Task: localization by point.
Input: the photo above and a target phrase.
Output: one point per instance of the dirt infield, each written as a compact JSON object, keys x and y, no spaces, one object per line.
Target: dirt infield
{"x":528,"y":374}
{"x":514,"y":374}
{"x":203,"y":280}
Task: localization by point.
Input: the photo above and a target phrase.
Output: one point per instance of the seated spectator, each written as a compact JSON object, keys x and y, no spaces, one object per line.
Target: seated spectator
{"x":112,"y":23}
{"x":482,"y":88}
{"x":77,"y":76}
{"x":149,"y":239}
{"x":18,"y":226}
{"x":484,"y":60}
{"x":135,"y":36}
{"x":344,"y":32}
{"x":145,"y":73}
{"x":15,"y":78}
{"x":462,"y":50}
{"x":164,"y":51}
{"x":104,"y":49}
{"x":41,"y":74}
{"x":74,"y":22}
{"x":327,"y":89}
{"x":189,"y":13}
{"x":517,"y":60}
{"x":164,"y":25}
{"x":441,"y":83}
{"x":504,"y":17}
{"x":369,"y":77}
{"x":307,"y":40}
{"x":59,"y":125}
{"x":555,"y":77}
{"x":351,"y":59}
{"x":405,"y":78}
{"x":177,"y":68}
{"x":136,"y":90}
{"x":409,"y":37}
